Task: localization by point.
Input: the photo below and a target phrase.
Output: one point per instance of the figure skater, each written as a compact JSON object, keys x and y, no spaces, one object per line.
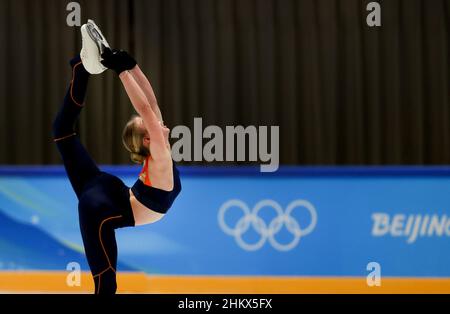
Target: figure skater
{"x":105,"y":203}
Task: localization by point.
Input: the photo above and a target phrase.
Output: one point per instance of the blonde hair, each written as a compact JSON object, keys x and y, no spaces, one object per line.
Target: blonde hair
{"x":132,"y":139}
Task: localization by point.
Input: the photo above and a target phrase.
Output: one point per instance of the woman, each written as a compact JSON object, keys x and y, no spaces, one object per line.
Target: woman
{"x":105,"y":202}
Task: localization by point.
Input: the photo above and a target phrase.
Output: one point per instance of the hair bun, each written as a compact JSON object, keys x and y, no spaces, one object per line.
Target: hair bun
{"x":137,"y":158}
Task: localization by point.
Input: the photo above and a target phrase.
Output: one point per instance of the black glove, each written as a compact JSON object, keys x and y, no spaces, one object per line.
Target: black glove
{"x":118,"y":61}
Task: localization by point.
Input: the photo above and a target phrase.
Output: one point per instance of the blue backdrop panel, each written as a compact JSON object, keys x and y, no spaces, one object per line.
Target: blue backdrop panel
{"x":299,"y":221}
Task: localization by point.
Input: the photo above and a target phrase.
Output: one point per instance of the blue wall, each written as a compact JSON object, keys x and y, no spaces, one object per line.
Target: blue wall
{"x":298,"y":221}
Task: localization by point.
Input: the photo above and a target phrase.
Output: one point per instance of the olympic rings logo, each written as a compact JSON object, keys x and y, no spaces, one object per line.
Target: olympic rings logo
{"x":250,"y":218}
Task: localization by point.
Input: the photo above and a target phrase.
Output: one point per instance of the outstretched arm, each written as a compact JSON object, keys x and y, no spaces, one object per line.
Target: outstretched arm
{"x":121,"y":61}
{"x":143,"y":106}
{"x":144,"y":83}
